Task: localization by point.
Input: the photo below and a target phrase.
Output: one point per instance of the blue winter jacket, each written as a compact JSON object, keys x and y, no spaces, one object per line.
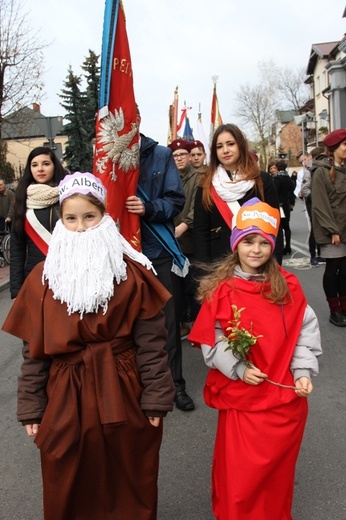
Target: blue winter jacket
{"x":159,"y":178}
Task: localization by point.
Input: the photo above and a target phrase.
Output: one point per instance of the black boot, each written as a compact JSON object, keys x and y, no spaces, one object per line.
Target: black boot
{"x":183,"y":401}
{"x":343,"y":305}
{"x":338,"y":319}
{"x":336,"y":316}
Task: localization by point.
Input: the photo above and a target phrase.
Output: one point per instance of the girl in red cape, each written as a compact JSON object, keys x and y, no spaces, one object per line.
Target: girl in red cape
{"x":261,"y":398}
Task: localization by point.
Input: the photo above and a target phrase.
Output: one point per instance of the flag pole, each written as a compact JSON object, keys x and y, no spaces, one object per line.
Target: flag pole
{"x":116,"y":157}
{"x":175,"y":114}
{"x":216,"y":119}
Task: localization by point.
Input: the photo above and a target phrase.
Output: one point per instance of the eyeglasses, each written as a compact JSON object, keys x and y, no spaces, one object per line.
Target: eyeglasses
{"x":180,"y":155}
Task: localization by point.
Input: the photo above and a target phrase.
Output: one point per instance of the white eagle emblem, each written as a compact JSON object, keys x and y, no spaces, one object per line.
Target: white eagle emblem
{"x":115,"y":146}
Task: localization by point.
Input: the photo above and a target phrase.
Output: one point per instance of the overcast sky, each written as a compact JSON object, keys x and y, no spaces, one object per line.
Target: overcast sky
{"x":185,"y":43}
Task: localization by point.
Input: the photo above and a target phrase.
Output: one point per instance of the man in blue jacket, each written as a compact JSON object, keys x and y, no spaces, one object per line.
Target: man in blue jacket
{"x":160,"y":198}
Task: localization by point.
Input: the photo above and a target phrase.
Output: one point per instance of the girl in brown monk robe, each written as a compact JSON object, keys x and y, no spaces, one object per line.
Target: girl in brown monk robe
{"x":94,"y":384}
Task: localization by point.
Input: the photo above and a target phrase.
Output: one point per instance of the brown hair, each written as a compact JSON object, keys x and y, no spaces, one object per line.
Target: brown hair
{"x":25,"y":181}
{"x":318,"y":150}
{"x":247,"y":164}
{"x":281,"y":165}
{"x":330,"y":155}
{"x":223,"y":269}
{"x":89,"y":197}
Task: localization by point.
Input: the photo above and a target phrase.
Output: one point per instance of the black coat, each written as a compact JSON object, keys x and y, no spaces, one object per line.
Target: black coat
{"x":284,"y":186}
{"x":211,"y":234}
{"x":25,"y":254}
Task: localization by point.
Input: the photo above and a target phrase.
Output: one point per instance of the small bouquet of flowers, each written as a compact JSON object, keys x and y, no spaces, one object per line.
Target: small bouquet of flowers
{"x":239,"y":339}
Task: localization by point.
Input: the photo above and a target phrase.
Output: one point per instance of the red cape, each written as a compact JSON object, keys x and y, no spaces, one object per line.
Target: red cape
{"x":280,"y":327}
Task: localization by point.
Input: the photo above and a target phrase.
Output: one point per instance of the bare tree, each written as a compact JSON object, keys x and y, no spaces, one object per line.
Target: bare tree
{"x":289,"y":84}
{"x":21,"y":60}
{"x":279,"y":88}
{"x":255,"y":107}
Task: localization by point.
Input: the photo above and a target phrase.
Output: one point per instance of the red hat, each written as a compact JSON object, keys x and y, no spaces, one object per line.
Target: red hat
{"x":196,"y":144}
{"x":335,"y":137}
{"x":180,"y":144}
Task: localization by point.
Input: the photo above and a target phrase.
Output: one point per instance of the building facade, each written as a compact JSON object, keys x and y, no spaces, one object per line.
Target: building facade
{"x":28,"y":128}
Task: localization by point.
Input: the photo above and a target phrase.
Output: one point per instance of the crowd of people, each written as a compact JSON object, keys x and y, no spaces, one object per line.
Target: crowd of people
{"x":102,"y":325}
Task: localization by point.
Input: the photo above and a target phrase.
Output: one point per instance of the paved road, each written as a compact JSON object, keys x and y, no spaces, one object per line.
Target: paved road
{"x":188,"y":441}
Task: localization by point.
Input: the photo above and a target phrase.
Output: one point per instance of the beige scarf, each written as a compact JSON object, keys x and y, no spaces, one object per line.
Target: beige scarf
{"x":41,"y":196}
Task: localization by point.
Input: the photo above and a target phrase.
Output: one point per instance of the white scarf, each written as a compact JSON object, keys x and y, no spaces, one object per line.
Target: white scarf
{"x":41,"y":196}
{"x":257,"y":277}
{"x":228,"y":190}
{"x":81,"y":267}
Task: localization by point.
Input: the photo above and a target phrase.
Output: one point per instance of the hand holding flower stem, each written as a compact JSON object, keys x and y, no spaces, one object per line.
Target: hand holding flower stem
{"x":240,"y":341}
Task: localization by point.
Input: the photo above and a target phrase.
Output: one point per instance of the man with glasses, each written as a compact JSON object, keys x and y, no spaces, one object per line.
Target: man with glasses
{"x":183,"y":231}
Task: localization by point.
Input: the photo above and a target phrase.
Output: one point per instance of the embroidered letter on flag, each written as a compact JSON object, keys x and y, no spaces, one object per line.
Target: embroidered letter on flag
{"x":116,"y":157}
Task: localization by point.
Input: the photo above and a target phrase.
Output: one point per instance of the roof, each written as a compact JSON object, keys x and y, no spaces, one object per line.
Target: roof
{"x":285,"y":116}
{"x":319,"y":50}
{"x":27,"y":123}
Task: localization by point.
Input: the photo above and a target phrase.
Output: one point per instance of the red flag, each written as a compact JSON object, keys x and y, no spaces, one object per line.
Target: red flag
{"x":216,"y":119}
{"x":182,"y":118}
{"x":116,"y":159}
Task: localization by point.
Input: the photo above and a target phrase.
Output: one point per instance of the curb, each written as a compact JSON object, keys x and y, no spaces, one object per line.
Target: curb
{"x":4,"y":285}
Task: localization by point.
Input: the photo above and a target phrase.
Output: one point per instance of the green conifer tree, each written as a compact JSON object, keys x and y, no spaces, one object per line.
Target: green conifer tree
{"x":92,"y":75}
{"x":78,"y":152}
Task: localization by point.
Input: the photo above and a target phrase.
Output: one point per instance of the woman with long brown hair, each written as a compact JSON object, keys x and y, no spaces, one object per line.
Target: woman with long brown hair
{"x":36,"y":211}
{"x":233,"y":178}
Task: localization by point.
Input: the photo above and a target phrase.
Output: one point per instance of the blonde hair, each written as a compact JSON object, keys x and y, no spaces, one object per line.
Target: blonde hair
{"x":223,"y":269}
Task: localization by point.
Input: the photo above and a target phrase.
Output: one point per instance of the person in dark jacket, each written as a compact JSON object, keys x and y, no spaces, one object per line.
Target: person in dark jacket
{"x":233,"y":178}
{"x":284,"y":187}
{"x":36,"y":211}
{"x":328,"y":194}
{"x":184,"y":230}
{"x":314,"y":249}
{"x":161,"y":198}
{"x":6,"y":206}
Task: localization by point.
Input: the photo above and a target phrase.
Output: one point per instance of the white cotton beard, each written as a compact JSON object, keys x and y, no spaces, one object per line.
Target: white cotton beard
{"x":81,"y":268}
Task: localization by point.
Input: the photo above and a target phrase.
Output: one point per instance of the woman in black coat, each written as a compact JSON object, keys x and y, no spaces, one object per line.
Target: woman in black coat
{"x":233,"y":178}
{"x":36,"y":211}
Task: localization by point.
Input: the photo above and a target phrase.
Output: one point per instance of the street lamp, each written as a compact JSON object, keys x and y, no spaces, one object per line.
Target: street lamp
{"x":50,"y":127}
{"x":302,"y":121}
{"x":305,"y":132}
